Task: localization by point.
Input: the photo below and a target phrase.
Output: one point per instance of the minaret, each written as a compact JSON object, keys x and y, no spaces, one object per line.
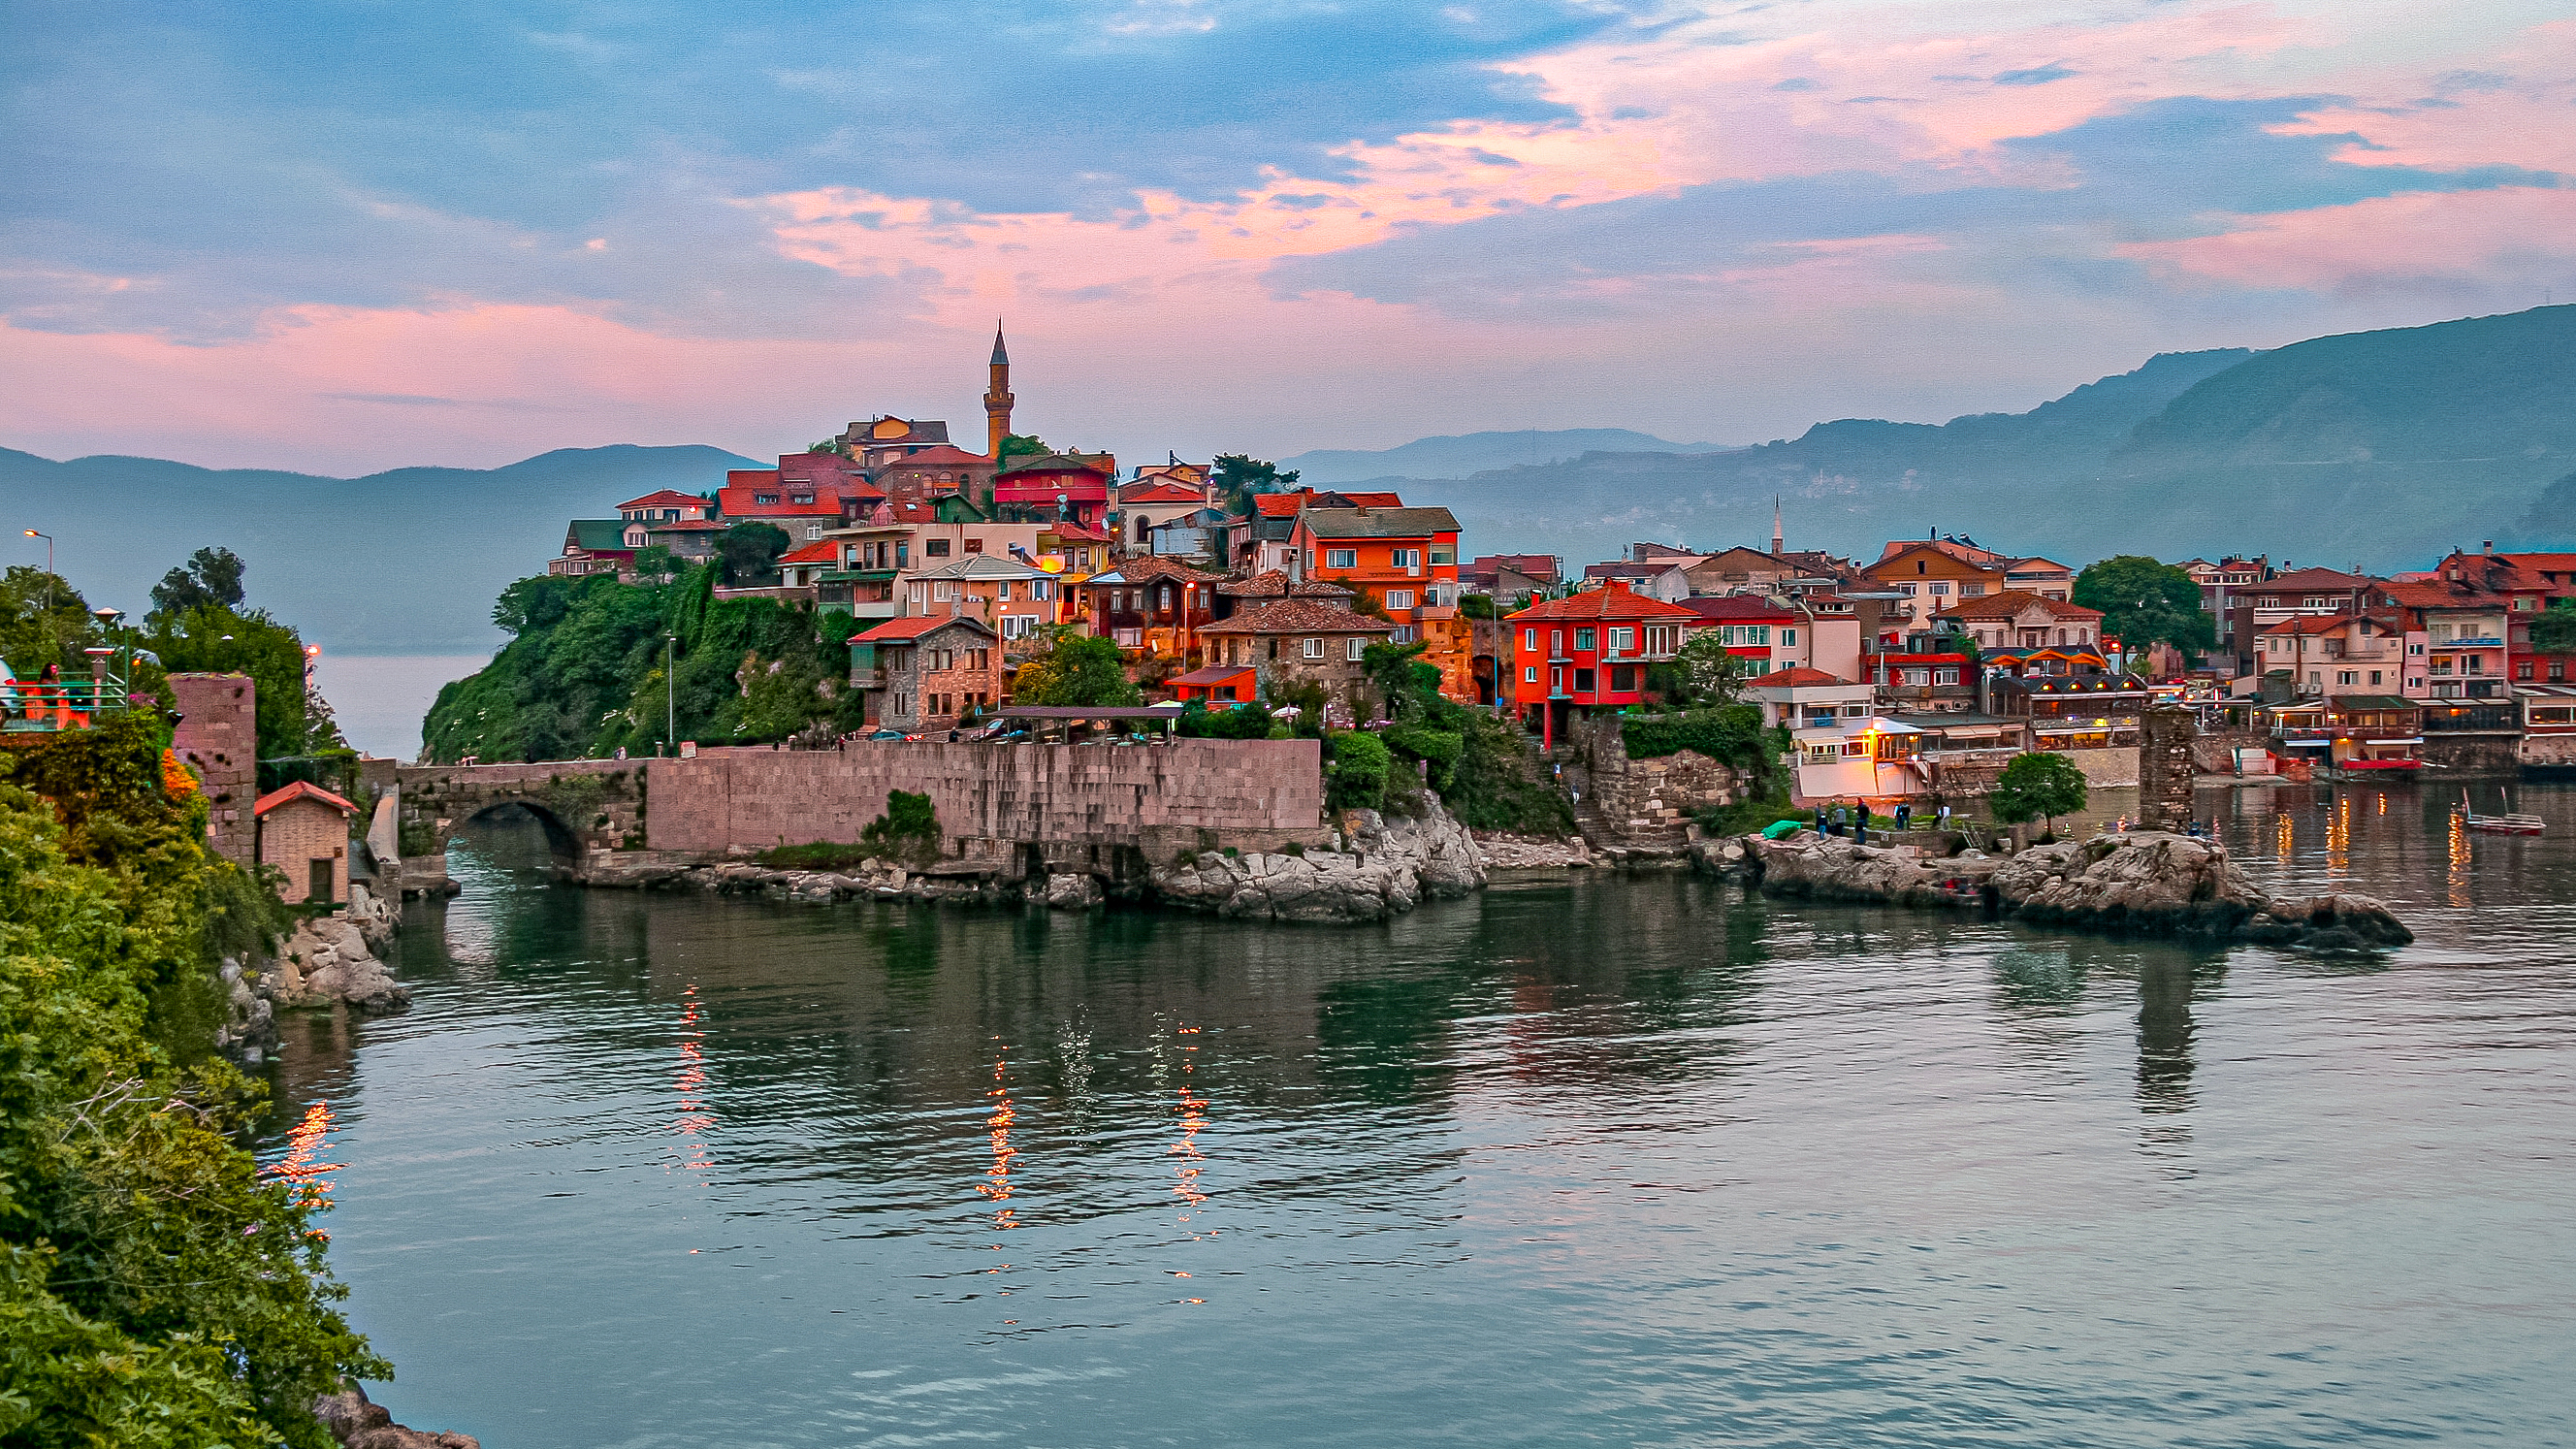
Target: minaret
{"x":1778,"y":540}
{"x":997,"y":399}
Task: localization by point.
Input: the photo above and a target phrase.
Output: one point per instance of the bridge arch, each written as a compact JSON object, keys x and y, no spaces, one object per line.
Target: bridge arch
{"x":583,"y":805}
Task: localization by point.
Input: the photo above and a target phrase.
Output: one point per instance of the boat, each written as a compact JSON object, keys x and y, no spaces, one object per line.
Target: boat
{"x":2497,"y":824}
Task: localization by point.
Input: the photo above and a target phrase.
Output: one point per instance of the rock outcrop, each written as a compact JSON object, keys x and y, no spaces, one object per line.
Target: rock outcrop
{"x":1379,"y":868}
{"x":2142,"y":882}
{"x":356,"y":1422}
{"x":1532,"y":852}
{"x":327,"y":961}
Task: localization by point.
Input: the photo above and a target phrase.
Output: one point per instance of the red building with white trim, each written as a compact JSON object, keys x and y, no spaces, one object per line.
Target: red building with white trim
{"x":1589,"y":652}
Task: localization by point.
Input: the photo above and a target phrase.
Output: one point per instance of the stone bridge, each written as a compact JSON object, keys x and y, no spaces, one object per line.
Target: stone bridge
{"x":584,"y":805}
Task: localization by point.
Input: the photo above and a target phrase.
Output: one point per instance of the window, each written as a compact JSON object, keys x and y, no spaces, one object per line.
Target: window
{"x":764,"y":500}
{"x":1789,"y":638}
{"x":1945,"y":676}
{"x":1529,"y":674}
{"x":1853,"y":749}
{"x":1623,"y":641}
{"x":813,"y":532}
{"x":1314,"y":648}
{"x":1918,"y":677}
{"x":2348,"y":676}
{"x":1855,"y":711}
{"x":1341,"y":558}
{"x":1443,"y":553}
{"x":1582,"y":641}
{"x":1906,"y":589}
{"x":974,"y":545}
{"x":1972,"y":591}
{"x":1353,"y":648}
{"x":1399,"y":598}
{"x":2414,"y":648}
{"x":1002,"y":591}
{"x":1583,"y":681}
{"x":1556,"y":643}
{"x":1940,"y":588}
{"x":1660,"y":639}
{"x":934,"y":548}
{"x":2374,"y":676}
{"x":1408,"y":559}
{"x":1529,"y":640}
{"x":1623,"y":678}
{"x":2522,"y":671}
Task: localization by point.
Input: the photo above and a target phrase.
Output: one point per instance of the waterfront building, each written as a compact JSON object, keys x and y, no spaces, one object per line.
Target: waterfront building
{"x":1589,"y":652}
{"x":926,"y":672}
{"x":1929,"y":577}
{"x":303,"y":830}
{"x":1297,"y":641}
{"x":2522,"y":585}
{"x":2073,"y":711}
{"x":2318,"y":655}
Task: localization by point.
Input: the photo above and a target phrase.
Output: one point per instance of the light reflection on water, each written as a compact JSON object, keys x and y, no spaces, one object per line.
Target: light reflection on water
{"x":1639,"y":1161}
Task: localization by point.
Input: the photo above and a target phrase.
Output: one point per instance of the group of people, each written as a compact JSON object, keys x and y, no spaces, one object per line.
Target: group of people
{"x":45,"y":700}
{"x":1853,"y":819}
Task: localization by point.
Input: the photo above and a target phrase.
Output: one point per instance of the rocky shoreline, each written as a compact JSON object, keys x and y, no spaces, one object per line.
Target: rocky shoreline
{"x":1373,"y":867}
{"x":2148,"y":883}
{"x":326,"y":961}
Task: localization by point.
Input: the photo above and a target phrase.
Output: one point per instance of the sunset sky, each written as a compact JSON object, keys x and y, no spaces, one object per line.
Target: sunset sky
{"x":344,"y":237}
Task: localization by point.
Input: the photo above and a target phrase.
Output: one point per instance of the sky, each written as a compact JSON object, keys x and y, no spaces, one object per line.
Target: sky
{"x":341,"y":237}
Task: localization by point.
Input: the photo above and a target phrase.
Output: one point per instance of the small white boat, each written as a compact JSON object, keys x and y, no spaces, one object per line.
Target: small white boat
{"x":2497,"y":824}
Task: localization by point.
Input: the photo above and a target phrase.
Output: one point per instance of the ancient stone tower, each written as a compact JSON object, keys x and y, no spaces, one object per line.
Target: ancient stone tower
{"x":217,"y":736}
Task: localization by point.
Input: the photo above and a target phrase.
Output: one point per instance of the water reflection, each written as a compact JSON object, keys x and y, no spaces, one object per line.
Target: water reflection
{"x":694,"y":1119}
{"x":996,"y":1186}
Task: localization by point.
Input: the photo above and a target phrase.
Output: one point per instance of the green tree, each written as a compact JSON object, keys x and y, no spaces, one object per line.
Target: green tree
{"x":2038,"y":786}
{"x":43,"y":620}
{"x":155,"y":1289}
{"x":210,"y":576}
{"x":1075,"y":670}
{"x":1238,"y":477}
{"x":216,"y":639}
{"x":1023,"y":445}
{"x":2554,"y":632}
{"x":748,"y":552}
{"x":2142,"y":601}
{"x":1704,"y":675}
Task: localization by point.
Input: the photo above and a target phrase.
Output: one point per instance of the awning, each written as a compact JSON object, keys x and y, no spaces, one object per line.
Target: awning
{"x":2307,"y":744}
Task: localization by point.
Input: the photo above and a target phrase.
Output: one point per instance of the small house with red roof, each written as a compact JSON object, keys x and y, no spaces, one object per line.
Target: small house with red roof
{"x":1045,"y":487}
{"x":1157,"y":605}
{"x":927,"y":672}
{"x":940,"y":470}
{"x":1589,"y":652}
{"x":669,"y":505}
{"x":1300,"y":641}
{"x":303,"y":830}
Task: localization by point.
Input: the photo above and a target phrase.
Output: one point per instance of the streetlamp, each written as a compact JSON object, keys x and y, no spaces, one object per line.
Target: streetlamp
{"x":49,"y":587}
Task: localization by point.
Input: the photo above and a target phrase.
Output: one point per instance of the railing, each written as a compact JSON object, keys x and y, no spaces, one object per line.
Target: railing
{"x":70,"y":705}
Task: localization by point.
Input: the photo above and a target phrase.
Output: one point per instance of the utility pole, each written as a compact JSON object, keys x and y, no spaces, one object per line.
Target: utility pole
{"x":670,"y":693}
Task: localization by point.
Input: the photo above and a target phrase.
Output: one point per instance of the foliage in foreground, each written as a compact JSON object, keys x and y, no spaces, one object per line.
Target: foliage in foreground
{"x":2038,"y":786}
{"x":154,"y":1290}
{"x":1476,"y":762}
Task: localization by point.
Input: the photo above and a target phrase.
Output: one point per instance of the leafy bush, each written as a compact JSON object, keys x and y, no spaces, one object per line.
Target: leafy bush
{"x":1236,"y":722}
{"x":1439,"y":749}
{"x":1492,"y":786}
{"x":2038,"y":785}
{"x":908,"y":830}
{"x":1733,"y":734}
{"x":820,"y":855}
{"x":1355,"y":770}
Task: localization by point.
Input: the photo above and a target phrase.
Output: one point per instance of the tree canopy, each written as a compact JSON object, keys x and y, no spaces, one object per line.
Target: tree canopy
{"x":2554,"y":632}
{"x":1022,"y":445}
{"x":43,"y":620}
{"x":1703,"y":674}
{"x":748,"y":551}
{"x":2035,"y":786}
{"x":1238,"y":477}
{"x":1074,"y":670}
{"x":2143,"y":600}
{"x":210,"y":576}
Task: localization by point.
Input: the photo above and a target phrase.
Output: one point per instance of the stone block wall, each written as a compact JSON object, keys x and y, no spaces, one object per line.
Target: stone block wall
{"x":299,"y":833}
{"x":1630,"y":804}
{"x":2107,"y":769}
{"x":2213,"y":752}
{"x":2165,"y":768}
{"x":1070,"y":801}
{"x":218,"y":737}
{"x":2487,"y":754}
{"x":2549,"y":752}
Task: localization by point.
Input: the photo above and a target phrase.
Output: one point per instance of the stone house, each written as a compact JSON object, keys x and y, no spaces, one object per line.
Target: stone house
{"x":2019,"y":619}
{"x":304,"y":831}
{"x":1299,"y":641}
{"x":926,"y":672}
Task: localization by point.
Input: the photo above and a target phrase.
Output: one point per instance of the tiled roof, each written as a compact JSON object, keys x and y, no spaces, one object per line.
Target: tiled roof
{"x":1739,"y":606}
{"x":1147,"y":570}
{"x":981,"y":566}
{"x":1278,"y":505}
{"x":667,"y":498}
{"x":1161,"y":493}
{"x":685,"y":525}
{"x":824,"y":552}
{"x":1796,"y":676}
{"x":1614,"y":600}
{"x":1377,"y":522}
{"x":1275,"y":585}
{"x":2010,"y":603}
{"x":1212,"y":674}
{"x":2308,"y":579}
{"x":1058,"y":463}
{"x":913,"y":626}
{"x":301,"y":790}
{"x":1298,"y":616}
{"x":736,"y":502}
{"x":2312,"y":624}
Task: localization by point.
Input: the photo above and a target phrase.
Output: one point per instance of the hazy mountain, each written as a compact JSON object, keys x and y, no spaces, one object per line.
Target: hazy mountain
{"x":1456,"y":457}
{"x":394,"y":563}
{"x":2380,"y":448}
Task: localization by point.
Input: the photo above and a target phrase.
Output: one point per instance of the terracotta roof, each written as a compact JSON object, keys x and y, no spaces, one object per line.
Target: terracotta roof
{"x":1275,"y":585}
{"x":301,"y":790}
{"x":1613,"y":600}
{"x":1738,"y":606}
{"x":1147,"y":570}
{"x":2316,"y":623}
{"x":2308,"y":579}
{"x":1212,"y":674}
{"x":1298,"y":616}
{"x":1278,"y":505}
{"x":944,"y":456}
{"x":913,"y":626}
{"x":736,"y":502}
{"x":1796,"y":676}
{"x":667,"y":498}
{"x":1161,"y":493}
{"x":1059,"y":463}
{"x":1074,"y":533}
{"x":2012,"y":602}
{"x":684,"y":525}
{"x":824,"y":552}
{"x":1377,"y":522}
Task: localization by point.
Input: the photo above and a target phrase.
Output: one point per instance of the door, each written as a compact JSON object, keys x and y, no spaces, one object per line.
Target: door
{"x":320,"y":887}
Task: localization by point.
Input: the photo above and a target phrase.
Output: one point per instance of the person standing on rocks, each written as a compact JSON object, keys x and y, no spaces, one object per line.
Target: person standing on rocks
{"x":1860,"y":831}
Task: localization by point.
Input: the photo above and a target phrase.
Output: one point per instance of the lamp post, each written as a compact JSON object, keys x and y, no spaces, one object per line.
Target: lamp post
{"x":670,"y":693}
{"x":49,"y":588}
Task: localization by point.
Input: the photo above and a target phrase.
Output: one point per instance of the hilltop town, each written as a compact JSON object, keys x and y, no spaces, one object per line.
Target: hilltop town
{"x":1916,"y":673}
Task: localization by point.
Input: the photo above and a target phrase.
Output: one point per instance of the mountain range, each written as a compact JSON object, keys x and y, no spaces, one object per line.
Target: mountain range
{"x":2382,"y":449}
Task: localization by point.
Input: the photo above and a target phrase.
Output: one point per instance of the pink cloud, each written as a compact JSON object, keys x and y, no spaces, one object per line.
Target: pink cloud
{"x":2498,"y":248}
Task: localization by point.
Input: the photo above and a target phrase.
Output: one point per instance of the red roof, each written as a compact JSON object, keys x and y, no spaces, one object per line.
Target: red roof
{"x":667,"y":498}
{"x":1213,"y":674}
{"x":2010,"y":603}
{"x":824,"y":552}
{"x":1299,"y":616}
{"x":1613,"y":600}
{"x":736,"y":502}
{"x":682,"y":525}
{"x":1162,"y":493}
{"x":1278,"y":505}
{"x":1797,"y":676}
{"x":913,"y":626}
{"x":947,"y":455}
{"x":1732,"y":607}
{"x":1074,"y":533}
{"x":300,"y":790}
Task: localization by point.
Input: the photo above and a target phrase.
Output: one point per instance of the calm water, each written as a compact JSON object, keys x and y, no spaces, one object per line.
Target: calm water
{"x":1642,"y":1161}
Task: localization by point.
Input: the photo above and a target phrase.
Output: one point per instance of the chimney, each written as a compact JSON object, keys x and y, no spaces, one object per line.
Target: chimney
{"x":2487,"y":547}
